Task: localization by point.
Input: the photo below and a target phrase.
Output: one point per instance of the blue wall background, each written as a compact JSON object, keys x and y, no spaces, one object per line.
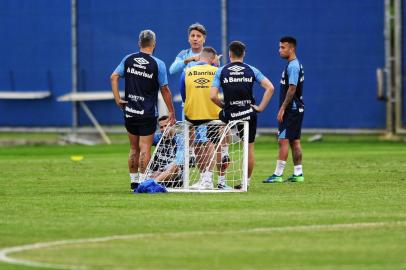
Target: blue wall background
{"x":404,"y":61}
{"x":35,"y":55}
{"x":339,"y":49}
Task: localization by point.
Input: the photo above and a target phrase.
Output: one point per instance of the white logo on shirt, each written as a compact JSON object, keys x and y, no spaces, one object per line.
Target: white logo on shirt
{"x":236,"y":68}
{"x":135,"y":98}
{"x":128,"y":109}
{"x":141,"y":61}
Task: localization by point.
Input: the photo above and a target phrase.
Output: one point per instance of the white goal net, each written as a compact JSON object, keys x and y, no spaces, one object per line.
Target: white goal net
{"x":212,"y":157}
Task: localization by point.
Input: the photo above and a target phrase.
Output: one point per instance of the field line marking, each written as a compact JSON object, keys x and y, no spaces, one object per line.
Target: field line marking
{"x":5,"y":252}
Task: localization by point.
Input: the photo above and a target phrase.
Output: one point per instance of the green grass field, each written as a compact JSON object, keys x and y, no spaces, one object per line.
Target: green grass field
{"x":350,"y":213}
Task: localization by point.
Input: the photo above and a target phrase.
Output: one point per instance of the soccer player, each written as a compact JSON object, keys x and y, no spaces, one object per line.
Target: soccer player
{"x":290,"y":115}
{"x":199,"y":110}
{"x":237,"y":80}
{"x":144,"y":76}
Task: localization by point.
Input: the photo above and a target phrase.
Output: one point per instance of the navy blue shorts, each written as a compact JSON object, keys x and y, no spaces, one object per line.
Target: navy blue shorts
{"x":141,"y":127}
{"x":291,"y":126}
{"x":252,"y":125}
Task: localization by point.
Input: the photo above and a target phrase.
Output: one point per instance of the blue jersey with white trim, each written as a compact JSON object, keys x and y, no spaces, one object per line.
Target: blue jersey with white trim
{"x":144,"y":75}
{"x":293,"y":74}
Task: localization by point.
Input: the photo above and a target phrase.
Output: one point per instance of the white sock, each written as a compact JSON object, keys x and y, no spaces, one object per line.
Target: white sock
{"x":134,"y":177}
{"x":297,"y":170}
{"x":280,"y":166}
{"x":224,"y":151}
{"x":248,"y":182}
{"x":208,"y":175}
{"x":222,"y":179}
{"x":142,"y":177}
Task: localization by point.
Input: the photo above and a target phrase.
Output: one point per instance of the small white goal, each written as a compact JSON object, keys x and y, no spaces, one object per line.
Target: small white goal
{"x":212,"y":157}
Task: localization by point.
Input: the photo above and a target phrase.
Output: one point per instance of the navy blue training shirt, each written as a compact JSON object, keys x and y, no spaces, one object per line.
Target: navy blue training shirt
{"x":293,"y":74}
{"x":144,"y":76}
{"x":237,"y":80}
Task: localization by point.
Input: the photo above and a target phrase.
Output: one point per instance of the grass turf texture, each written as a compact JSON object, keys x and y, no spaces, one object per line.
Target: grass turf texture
{"x":44,"y":196}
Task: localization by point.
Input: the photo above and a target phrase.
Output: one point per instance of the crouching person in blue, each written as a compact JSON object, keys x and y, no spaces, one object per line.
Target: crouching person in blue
{"x":168,"y":162}
{"x":236,"y":79}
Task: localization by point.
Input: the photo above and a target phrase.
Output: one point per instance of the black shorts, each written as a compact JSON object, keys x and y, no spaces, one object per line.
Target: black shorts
{"x":197,"y":122}
{"x":291,"y":126}
{"x":141,"y":127}
{"x":252,"y":125}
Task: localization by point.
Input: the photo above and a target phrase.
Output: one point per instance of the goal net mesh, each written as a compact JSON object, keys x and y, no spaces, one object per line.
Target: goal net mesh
{"x":211,"y":157}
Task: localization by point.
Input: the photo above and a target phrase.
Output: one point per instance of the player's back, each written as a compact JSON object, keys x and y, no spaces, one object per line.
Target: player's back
{"x":237,"y":80}
{"x":141,"y":73}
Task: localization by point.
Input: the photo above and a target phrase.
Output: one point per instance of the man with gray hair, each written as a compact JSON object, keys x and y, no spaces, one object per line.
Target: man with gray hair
{"x":145,"y":75}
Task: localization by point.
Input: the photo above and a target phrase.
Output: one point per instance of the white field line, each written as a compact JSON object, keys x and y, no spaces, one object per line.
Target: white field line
{"x":5,"y":252}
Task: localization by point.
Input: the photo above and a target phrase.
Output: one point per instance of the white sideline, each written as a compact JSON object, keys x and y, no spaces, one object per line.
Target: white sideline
{"x":5,"y":252}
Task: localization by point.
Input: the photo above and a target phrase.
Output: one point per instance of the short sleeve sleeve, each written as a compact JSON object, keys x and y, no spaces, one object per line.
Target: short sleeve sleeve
{"x":216,"y":79}
{"x":258,"y":74}
{"x":120,"y":68}
{"x":293,"y":74}
{"x":162,"y":75}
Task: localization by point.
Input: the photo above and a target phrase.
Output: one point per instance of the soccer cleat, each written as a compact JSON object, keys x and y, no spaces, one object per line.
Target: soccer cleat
{"x":134,"y":185}
{"x":273,"y":179}
{"x":223,"y":186}
{"x":205,"y":184}
{"x":296,"y":178}
{"x":239,"y":186}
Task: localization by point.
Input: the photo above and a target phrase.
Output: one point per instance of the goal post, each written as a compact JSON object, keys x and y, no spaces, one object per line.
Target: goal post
{"x":212,"y":157}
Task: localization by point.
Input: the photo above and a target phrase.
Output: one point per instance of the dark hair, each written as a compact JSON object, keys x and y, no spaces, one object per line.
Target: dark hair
{"x":163,"y":117}
{"x":198,"y":27}
{"x":290,"y":40}
{"x":209,"y":50}
{"x":237,"y":48}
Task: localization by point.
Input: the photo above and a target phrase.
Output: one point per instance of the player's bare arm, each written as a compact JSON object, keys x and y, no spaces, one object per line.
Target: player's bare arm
{"x":167,"y":96}
{"x":114,"y":78}
{"x":269,"y":90}
{"x":214,"y":96}
{"x":289,"y":96}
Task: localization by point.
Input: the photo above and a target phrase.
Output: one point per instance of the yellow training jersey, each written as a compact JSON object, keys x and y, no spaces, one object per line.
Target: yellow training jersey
{"x":198,"y":81}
